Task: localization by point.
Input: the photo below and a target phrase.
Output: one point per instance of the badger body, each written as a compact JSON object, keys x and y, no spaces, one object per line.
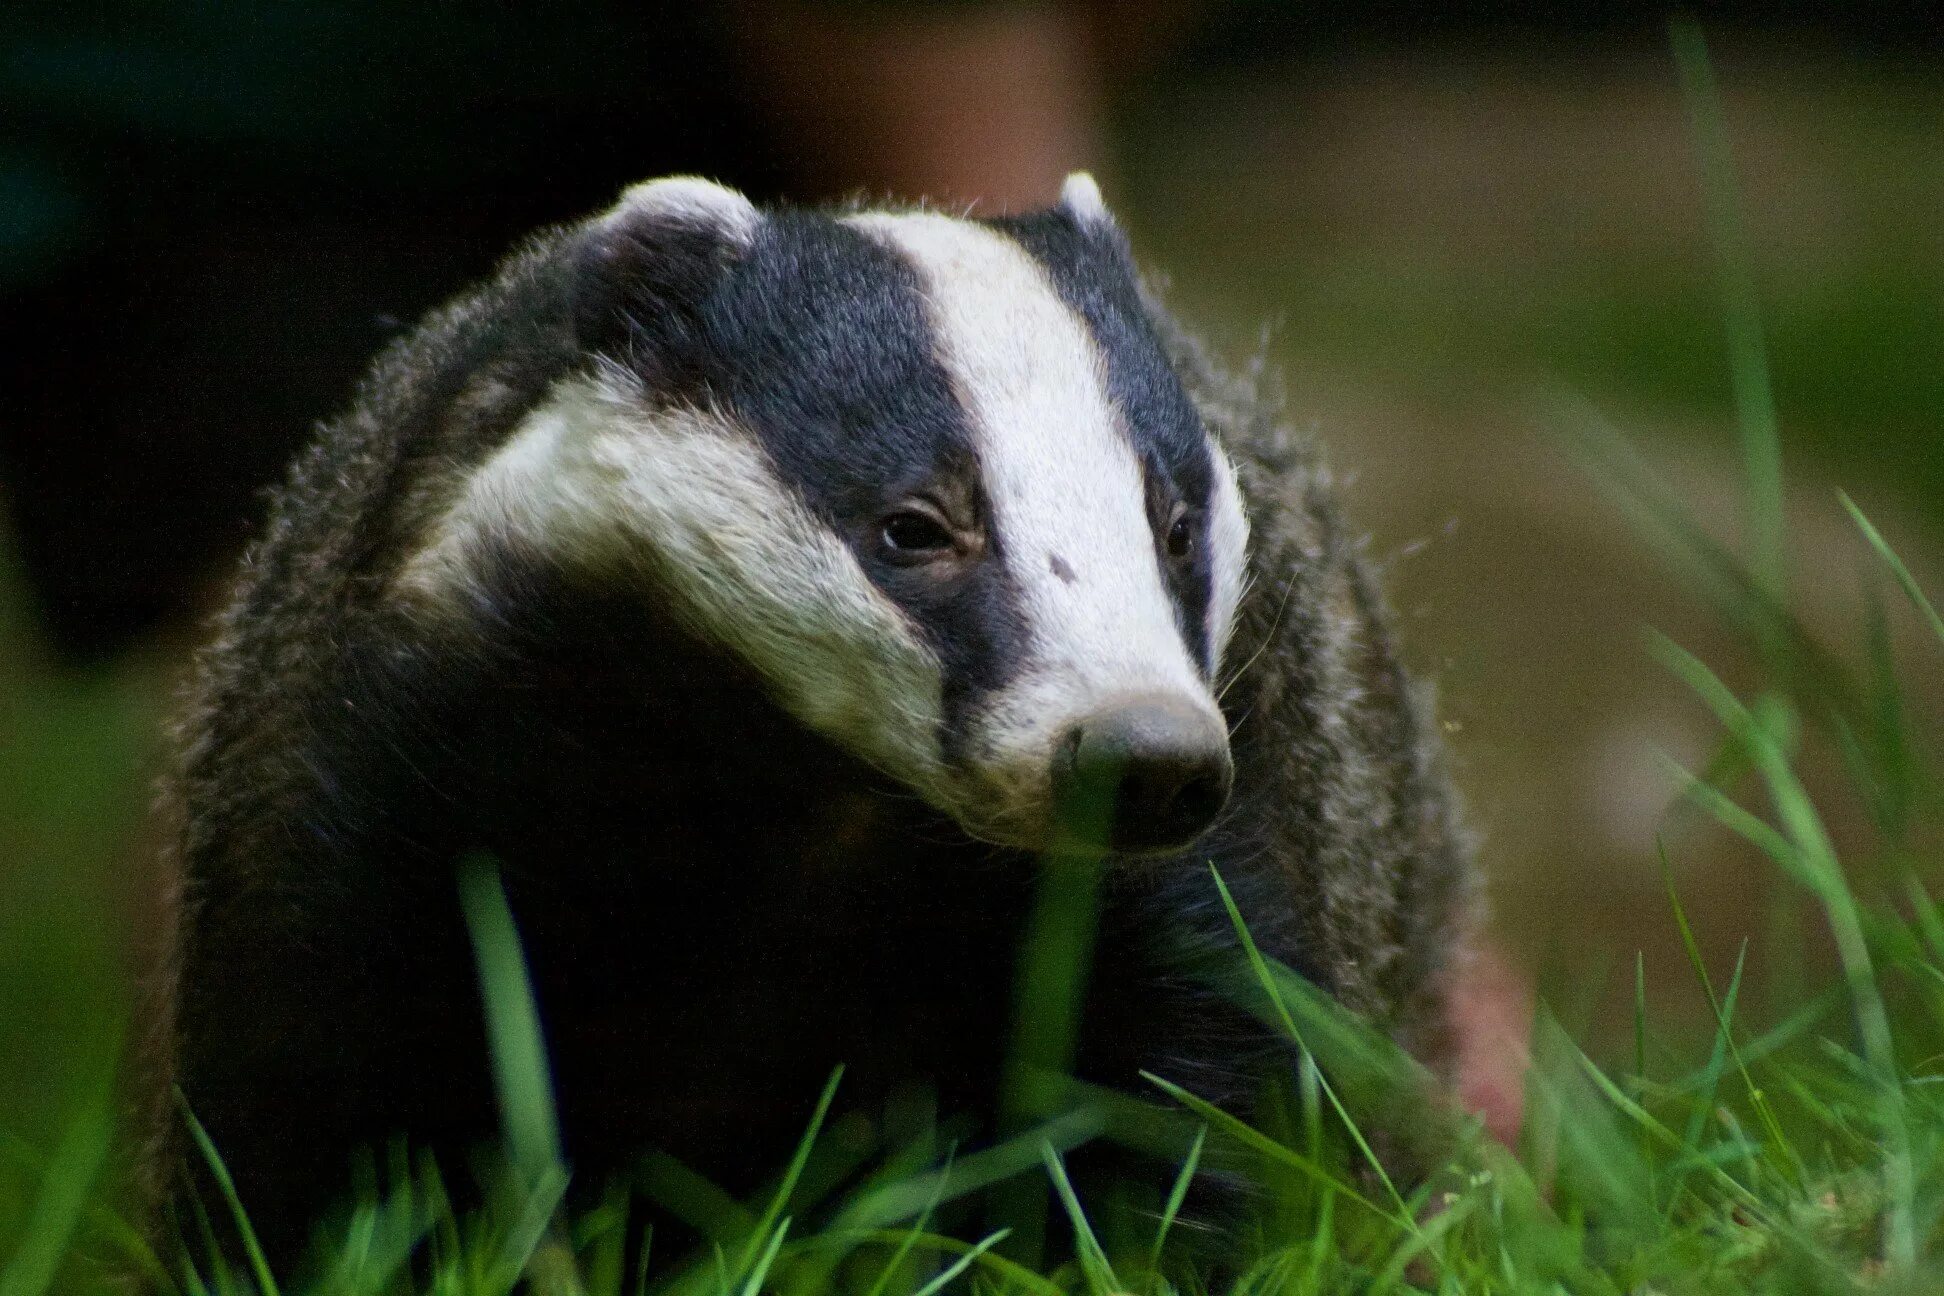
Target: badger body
{"x":756,"y":587}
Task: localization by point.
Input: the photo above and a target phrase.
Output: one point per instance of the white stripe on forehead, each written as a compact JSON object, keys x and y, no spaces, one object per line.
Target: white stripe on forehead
{"x":1067,"y":492}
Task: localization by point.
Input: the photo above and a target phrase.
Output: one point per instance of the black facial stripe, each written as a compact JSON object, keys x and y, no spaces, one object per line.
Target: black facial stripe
{"x":818,"y":340}
{"x":1094,"y":275}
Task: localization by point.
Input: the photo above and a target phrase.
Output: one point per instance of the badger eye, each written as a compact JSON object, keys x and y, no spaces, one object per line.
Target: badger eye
{"x":1181,"y":536}
{"x":911,"y":536}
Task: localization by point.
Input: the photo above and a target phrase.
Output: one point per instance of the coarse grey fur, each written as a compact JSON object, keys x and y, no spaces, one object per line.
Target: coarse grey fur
{"x":1342,"y":842}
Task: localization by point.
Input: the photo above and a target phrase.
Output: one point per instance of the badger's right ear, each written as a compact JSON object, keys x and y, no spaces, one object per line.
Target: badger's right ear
{"x":1080,"y":199}
{"x":648,"y":263}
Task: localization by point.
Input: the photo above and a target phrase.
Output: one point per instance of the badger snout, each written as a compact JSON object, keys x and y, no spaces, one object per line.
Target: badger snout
{"x":1146,"y":773}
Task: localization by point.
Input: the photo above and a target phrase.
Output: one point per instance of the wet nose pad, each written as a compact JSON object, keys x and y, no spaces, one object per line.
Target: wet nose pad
{"x":1148,"y":773}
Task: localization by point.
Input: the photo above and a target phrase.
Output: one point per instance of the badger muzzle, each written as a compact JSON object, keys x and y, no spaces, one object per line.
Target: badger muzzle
{"x":1143,"y":774}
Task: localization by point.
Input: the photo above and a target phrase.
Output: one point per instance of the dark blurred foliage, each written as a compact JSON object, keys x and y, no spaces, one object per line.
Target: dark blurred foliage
{"x":1278,"y":26}
{"x":215,"y":213}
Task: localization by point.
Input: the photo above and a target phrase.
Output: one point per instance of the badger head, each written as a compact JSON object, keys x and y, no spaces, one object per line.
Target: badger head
{"x":933,"y":478}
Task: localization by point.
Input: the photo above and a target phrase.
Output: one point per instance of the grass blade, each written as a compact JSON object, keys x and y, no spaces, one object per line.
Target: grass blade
{"x":1176,"y":1196}
{"x":513,"y":1031}
{"x":58,"y":1208}
{"x":1254,"y":1139}
{"x":754,"y":1282}
{"x":1724,"y":1023}
{"x":1640,"y":1068}
{"x":911,"y":1238}
{"x":1260,"y":966}
{"x":961,"y":1264}
{"x":1804,"y":829}
{"x":1911,"y":590}
{"x":259,"y":1265}
{"x":1014,"y":1274}
{"x":1747,"y":356}
{"x":781,"y":1196}
{"x":894,"y":1202}
{"x":1092,"y":1259}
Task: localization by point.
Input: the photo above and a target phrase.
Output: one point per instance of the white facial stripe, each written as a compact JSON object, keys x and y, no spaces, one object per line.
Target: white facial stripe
{"x":1228,"y":553}
{"x":1066,"y":489}
{"x":595,"y":479}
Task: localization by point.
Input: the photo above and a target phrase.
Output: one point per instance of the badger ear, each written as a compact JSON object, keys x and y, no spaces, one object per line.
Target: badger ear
{"x":687,"y":202}
{"x":648,"y":262}
{"x":1080,"y":198}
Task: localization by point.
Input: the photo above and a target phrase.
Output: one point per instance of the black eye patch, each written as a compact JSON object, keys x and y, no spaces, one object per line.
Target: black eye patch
{"x":820,"y":341}
{"x":1180,"y":524}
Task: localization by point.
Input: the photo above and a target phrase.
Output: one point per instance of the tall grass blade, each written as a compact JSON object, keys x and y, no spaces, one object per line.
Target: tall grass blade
{"x":1924,"y":909}
{"x":1912,"y":591}
{"x":219,"y":1268}
{"x":1052,"y":984}
{"x":1804,"y":829}
{"x":1724,"y":1023}
{"x":760,"y":1270}
{"x":1177,"y":1194}
{"x":641,"y":1260}
{"x":1423,"y":1244}
{"x":192,"y":1281}
{"x":1748,"y":357}
{"x":1260,"y":966}
{"x":781,"y":1197}
{"x":603,"y":1235}
{"x":1667,"y":1137}
{"x":1093,"y":1260}
{"x":694,"y":1198}
{"x":1793,"y":656}
{"x":893,"y":1202}
{"x":259,"y":1264}
{"x":1598,"y":1168}
{"x":518,"y":1046}
{"x":66,"y":1183}
{"x":1887,"y":773}
{"x":1055,"y":963}
{"x":1640,"y":1069}
{"x":1014,"y":1275}
{"x":502,"y":1266}
{"x":964,"y":1262}
{"x":1750,"y":827}
{"x":1255,"y":1140}
{"x":911,"y":1238}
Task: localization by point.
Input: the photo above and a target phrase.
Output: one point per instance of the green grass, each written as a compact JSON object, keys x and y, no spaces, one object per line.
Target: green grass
{"x":1799,"y":1149}
{"x":1293,"y":198}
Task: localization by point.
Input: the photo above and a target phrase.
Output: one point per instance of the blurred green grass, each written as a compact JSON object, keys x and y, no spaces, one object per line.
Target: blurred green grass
{"x":76,"y":755}
{"x":1497,"y":222}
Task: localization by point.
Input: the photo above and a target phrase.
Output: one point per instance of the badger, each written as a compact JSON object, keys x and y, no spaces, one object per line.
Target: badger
{"x":756,"y":586}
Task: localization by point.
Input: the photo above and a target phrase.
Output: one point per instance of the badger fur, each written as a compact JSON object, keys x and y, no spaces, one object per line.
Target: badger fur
{"x":752,"y":584}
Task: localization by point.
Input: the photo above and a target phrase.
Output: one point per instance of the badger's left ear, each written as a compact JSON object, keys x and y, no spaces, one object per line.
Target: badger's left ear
{"x":1080,"y":198}
{"x":647,"y":264}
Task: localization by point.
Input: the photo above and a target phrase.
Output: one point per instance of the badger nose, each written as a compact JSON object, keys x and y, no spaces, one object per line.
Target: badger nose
{"x":1149,"y":773}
